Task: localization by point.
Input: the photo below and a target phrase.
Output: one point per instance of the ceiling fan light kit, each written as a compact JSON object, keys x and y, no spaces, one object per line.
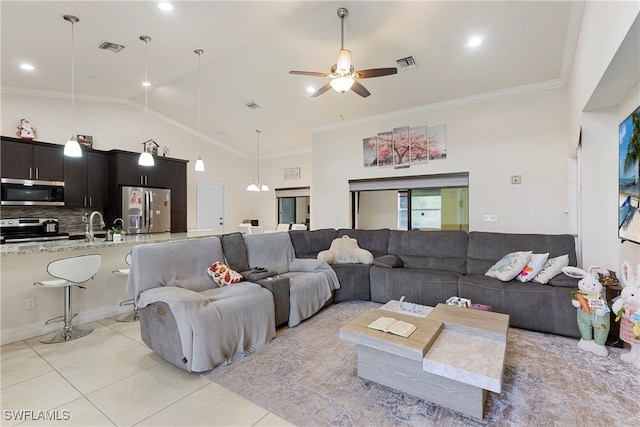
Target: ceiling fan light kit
{"x":342,"y":74}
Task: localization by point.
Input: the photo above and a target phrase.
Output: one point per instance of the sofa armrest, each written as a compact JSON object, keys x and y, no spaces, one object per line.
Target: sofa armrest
{"x":254,"y":275}
{"x":172,"y":295}
{"x":388,"y":261}
{"x":279,"y":286}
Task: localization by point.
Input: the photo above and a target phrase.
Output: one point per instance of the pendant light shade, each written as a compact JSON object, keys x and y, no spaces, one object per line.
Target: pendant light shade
{"x":255,"y":185}
{"x":71,"y":147}
{"x":146,"y":159}
{"x":199,"y":166}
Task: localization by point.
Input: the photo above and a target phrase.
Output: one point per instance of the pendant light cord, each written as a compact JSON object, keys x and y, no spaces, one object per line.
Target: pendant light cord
{"x":258,"y":150}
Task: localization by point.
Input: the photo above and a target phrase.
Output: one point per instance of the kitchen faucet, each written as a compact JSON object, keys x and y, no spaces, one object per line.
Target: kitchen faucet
{"x":121,"y":223}
{"x":88,"y":236}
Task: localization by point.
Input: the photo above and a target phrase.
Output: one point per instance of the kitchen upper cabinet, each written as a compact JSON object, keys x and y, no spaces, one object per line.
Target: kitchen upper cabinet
{"x":129,"y":172}
{"x":86,"y":180}
{"x":32,"y":160}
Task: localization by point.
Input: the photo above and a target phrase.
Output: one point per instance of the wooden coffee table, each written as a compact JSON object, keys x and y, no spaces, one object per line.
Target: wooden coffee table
{"x":454,"y":358}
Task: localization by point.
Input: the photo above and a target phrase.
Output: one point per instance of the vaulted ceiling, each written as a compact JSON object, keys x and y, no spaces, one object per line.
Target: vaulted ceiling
{"x":249,"y":48}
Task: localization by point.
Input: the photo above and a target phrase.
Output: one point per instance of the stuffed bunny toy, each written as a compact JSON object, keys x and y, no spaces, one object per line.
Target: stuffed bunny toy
{"x":627,"y":309}
{"x":592,"y":311}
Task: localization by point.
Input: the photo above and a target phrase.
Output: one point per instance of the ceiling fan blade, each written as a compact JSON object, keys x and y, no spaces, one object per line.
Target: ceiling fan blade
{"x":310,"y":73}
{"x":322,"y":90}
{"x":360,"y":90}
{"x":375,"y":72}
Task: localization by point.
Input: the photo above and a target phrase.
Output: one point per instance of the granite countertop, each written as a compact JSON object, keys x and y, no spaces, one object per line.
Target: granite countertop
{"x":74,"y":245}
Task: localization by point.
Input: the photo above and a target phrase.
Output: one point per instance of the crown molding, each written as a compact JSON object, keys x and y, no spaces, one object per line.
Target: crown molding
{"x":453,"y":103}
{"x":60,"y":95}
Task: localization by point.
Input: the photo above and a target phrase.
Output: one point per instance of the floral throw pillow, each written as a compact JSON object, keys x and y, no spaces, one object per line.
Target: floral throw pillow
{"x":551,"y":268}
{"x":509,"y":266}
{"x":533,"y":267}
{"x":223,"y":275}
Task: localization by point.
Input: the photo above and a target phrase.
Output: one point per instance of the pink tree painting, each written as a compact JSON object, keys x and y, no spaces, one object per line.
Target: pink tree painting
{"x":385,"y":149}
{"x":401,"y":147}
{"x":436,"y":142}
{"x":418,"y":141}
{"x":370,"y":151}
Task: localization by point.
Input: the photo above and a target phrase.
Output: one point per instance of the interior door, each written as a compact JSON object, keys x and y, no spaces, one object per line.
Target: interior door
{"x":210,"y":206}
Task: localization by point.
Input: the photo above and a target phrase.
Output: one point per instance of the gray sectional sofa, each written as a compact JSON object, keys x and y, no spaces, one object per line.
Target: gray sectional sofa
{"x":196,"y":325}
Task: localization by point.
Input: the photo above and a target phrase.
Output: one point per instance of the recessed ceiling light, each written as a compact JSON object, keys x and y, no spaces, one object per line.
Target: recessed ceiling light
{"x":165,"y":6}
{"x":146,"y":84}
{"x":475,"y":41}
{"x":311,"y":89}
{"x":27,"y":67}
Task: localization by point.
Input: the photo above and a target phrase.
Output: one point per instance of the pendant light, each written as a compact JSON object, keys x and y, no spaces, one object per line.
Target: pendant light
{"x":199,"y":167}
{"x":71,"y":147}
{"x":146,"y":159}
{"x":255,"y":185}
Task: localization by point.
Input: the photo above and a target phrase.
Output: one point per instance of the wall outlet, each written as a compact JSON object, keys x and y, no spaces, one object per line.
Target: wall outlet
{"x":516,"y":179}
{"x":489,"y":218}
{"x":30,"y":303}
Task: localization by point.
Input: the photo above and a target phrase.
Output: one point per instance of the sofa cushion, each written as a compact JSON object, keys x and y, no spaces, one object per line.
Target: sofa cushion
{"x":509,"y":266}
{"x":272,"y":251}
{"x":375,"y":241}
{"x":436,"y":250}
{"x":421,"y":286}
{"x":235,"y":251}
{"x":307,"y":244}
{"x":486,"y":248}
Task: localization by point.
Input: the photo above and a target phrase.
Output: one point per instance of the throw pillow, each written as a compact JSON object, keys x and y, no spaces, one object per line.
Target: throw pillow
{"x":533,"y":267}
{"x":509,"y":266}
{"x":551,"y":268}
{"x":223,"y":275}
{"x":345,"y":250}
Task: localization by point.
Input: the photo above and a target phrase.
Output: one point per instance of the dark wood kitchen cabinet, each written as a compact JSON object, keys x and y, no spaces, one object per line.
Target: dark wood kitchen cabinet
{"x":129,"y":172}
{"x":166,"y":173}
{"x":86,"y":180}
{"x":31,"y":160}
{"x":175,"y":179}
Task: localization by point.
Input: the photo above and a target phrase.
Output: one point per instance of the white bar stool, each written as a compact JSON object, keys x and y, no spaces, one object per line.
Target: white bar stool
{"x":69,"y":272}
{"x":133,"y":315}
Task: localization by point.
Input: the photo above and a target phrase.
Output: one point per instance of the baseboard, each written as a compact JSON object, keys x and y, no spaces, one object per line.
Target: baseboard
{"x":38,"y":329}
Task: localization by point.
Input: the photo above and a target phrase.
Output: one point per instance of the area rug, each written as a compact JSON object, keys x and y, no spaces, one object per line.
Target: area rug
{"x":308,"y":375}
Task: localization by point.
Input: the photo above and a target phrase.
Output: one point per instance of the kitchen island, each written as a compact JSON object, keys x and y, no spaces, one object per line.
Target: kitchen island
{"x":22,"y":264}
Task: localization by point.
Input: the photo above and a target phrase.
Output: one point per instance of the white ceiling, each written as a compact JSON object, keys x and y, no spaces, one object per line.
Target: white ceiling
{"x":250,"y":47}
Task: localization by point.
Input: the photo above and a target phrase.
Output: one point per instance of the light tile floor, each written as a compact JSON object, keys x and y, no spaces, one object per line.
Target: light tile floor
{"x":110,"y":377}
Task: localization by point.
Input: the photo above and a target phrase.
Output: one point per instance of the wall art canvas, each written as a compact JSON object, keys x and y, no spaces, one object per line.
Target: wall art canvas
{"x":370,"y":151}
{"x":418,"y":143}
{"x":385,"y":149}
{"x":629,"y":178}
{"x":401,"y":147}
{"x":436,"y":142}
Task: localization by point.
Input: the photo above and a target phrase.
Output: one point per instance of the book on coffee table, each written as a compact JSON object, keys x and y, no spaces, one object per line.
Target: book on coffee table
{"x":393,"y":326}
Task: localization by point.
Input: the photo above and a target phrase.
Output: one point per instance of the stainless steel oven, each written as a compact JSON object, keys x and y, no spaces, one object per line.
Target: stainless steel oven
{"x":17,"y":230}
{"x":27,"y":192}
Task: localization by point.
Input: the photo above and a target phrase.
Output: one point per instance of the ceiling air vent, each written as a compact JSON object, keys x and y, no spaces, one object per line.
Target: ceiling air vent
{"x":406,"y":63}
{"x":252,"y":105}
{"x":113,"y":47}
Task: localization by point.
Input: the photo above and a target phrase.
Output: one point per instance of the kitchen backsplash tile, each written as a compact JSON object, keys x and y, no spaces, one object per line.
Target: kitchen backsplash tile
{"x":70,"y":219}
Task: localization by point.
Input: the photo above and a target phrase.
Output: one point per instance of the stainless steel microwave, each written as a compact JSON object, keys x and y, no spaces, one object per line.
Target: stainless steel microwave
{"x":27,"y":192}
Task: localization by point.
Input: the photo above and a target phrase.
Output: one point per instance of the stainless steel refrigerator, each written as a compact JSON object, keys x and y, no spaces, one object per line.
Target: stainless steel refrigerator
{"x":146,"y":210}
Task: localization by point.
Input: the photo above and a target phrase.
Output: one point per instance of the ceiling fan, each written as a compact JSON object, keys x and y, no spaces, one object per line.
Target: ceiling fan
{"x":342,"y":76}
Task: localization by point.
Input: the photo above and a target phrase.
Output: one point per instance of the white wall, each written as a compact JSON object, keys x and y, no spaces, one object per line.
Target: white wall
{"x":125,"y":126}
{"x":521,"y":135}
{"x":604,"y":27}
